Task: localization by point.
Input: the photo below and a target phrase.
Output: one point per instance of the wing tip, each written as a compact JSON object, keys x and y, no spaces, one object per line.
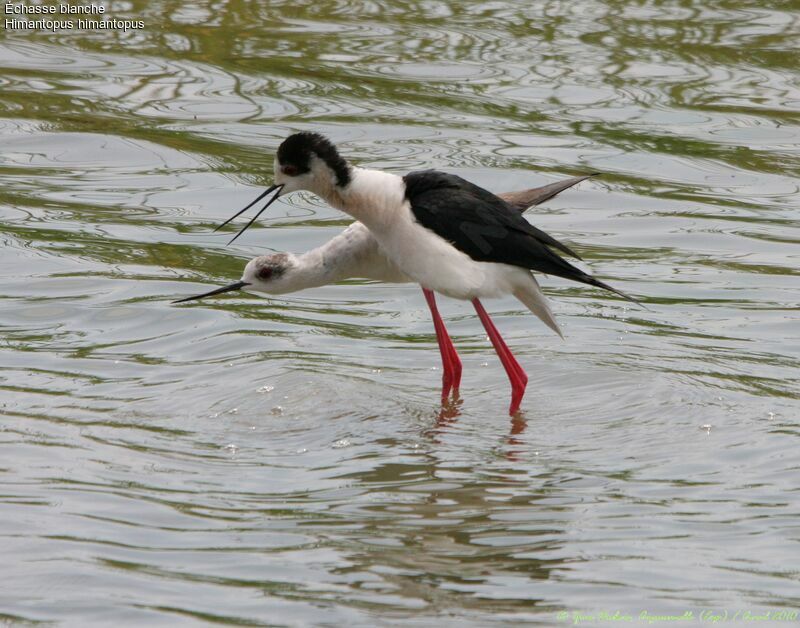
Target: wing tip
{"x":624,"y":295}
{"x":522,"y":200}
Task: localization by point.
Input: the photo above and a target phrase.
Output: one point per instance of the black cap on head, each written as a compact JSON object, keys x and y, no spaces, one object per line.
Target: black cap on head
{"x":296,"y":150}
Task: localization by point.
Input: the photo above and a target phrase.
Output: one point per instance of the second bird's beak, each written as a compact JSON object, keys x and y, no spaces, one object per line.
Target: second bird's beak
{"x":272,"y":188}
{"x":234,"y":286}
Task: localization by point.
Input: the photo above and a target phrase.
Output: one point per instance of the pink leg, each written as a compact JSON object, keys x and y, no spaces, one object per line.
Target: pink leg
{"x":451,"y":363}
{"x":518,"y":377}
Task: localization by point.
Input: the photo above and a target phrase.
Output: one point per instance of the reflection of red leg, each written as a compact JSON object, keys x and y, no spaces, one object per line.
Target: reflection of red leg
{"x":451,"y":363}
{"x":514,"y":371}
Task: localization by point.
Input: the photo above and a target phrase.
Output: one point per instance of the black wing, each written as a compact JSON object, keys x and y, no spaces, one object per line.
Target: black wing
{"x":487,"y":228}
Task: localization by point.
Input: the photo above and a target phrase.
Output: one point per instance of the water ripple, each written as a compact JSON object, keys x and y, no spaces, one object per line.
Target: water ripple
{"x":248,"y":459}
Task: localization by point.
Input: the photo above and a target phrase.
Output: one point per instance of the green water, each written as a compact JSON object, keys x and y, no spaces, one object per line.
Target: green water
{"x":284,"y":461}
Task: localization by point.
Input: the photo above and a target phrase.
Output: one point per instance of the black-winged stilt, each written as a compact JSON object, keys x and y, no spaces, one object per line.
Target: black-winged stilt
{"x":429,"y":227}
{"x":353,"y":253}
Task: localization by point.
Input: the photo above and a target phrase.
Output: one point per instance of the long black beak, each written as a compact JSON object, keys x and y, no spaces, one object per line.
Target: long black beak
{"x":271,"y":188}
{"x":234,"y":286}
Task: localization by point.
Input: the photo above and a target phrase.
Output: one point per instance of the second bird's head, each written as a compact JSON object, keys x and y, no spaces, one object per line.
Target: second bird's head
{"x":271,"y":274}
{"x":277,"y":273}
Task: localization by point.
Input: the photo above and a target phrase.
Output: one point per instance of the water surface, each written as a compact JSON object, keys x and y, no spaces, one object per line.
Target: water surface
{"x":284,"y":461}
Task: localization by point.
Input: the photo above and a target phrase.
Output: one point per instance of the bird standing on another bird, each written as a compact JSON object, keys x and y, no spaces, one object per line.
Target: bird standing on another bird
{"x":440,"y":231}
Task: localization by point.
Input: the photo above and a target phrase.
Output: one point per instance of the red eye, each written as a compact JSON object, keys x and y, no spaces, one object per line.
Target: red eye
{"x":290,"y":171}
{"x":265,"y":273}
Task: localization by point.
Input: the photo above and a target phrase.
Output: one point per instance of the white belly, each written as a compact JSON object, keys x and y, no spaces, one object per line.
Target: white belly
{"x":378,"y":200}
{"x":439,"y":266}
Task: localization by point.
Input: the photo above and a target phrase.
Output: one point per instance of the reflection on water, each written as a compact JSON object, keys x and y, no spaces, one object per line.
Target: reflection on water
{"x":284,"y":461}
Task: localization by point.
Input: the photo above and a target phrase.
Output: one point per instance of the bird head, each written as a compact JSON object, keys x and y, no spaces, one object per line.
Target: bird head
{"x":309,"y":161}
{"x":271,"y":274}
{"x":305,"y":161}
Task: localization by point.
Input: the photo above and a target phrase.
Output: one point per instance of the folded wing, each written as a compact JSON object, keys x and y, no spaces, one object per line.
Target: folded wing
{"x":487,"y":228}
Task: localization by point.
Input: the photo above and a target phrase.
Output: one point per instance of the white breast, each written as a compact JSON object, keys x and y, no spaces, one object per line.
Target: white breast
{"x":378,"y":200}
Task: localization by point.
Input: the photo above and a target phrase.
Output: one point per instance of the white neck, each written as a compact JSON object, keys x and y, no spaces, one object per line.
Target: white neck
{"x":352,"y":253}
{"x":372,"y":196}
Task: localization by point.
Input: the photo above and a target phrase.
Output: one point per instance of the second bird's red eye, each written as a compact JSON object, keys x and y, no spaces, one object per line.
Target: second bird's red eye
{"x":290,"y":171}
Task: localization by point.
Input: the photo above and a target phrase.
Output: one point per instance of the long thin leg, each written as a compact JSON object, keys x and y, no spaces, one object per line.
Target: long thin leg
{"x":451,"y":363}
{"x":516,"y":375}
